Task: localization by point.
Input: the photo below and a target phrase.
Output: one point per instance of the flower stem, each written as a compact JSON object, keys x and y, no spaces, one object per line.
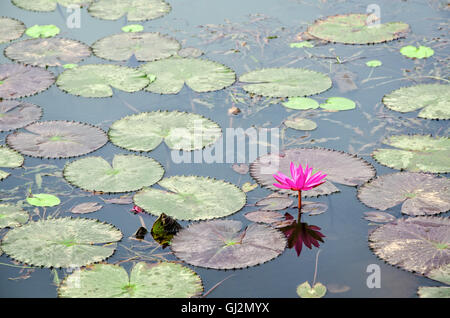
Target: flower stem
{"x":299,"y":206}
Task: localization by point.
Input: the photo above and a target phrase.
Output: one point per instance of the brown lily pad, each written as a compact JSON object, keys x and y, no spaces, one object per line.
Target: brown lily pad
{"x":419,"y":193}
{"x":17,"y":80}
{"x":417,"y":244}
{"x":57,"y":139}
{"x":17,"y":114}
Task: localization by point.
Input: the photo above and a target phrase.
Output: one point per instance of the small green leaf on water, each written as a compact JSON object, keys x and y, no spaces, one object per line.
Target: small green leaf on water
{"x":417,"y":53}
{"x":43,"y":199}
{"x":42,"y":31}
{"x":338,"y":103}
{"x":306,"y":291}
{"x":1,"y":82}
{"x":133,"y":28}
{"x":67,"y":66}
{"x":301,"y":44}
{"x":301,"y":103}
{"x":247,"y":187}
{"x":374,"y":63}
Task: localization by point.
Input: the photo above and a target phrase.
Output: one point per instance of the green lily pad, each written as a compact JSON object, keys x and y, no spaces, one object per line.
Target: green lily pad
{"x":134,"y":10}
{"x":43,"y":199}
{"x":144,"y":46}
{"x":19,"y":80}
{"x":285,"y":82}
{"x":127,"y":173}
{"x":419,"y":193}
{"x":179,"y":130}
{"x":191,"y":198}
{"x":9,"y":159}
{"x":338,"y":103}
{"x":432,"y":99}
{"x":42,"y":31}
{"x":417,"y":153}
{"x":306,"y":291}
{"x":300,"y":124}
{"x":61,"y":242}
{"x":441,"y":274}
{"x":374,"y":63}
{"x":224,"y":244}
{"x":200,"y":75}
{"x":57,"y":139}
{"x":12,"y":216}
{"x":97,"y":80}
{"x":420,"y":52}
{"x":434,"y":292}
{"x":10,"y":29}
{"x":418,"y":244}
{"x":17,"y":114}
{"x":133,"y":28}
{"x":247,"y":187}
{"x":162,"y":280}
{"x":301,"y":103}
{"x":354,"y":29}
{"x":47,"y":5}
{"x":301,"y":44}
{"x":48,"y":52}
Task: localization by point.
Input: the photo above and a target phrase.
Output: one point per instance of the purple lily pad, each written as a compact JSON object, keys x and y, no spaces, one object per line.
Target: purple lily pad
{"x":340,"y":167}
{"x":314,"y":208}
{"x":17,"y":80}
{"x":241,"y":169}
{"x":267,"y":217}
{"x":57,"y":139}
{"x":419,"y":193}
{"x":417,"y":244}
{"x":48,"y":52}
{"x":17,"y":114}
{"x":379,"y":217}
{"x":223,"y":244}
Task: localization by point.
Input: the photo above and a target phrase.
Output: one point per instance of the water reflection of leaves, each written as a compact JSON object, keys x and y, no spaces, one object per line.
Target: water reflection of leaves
{"x":301,"y":233}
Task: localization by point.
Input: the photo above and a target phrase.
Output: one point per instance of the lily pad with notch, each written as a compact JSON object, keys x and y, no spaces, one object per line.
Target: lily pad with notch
{"x":145,"y":46}
{"x":134,"y":10}
{"x":48,"y":52}
{"x":9,"y":159}
{"x":61,"y":242}
{"x":179,"y":130}
{"x":419,"y":193}
{"x":356,"y":29}
{"x":201,"y":75}
{"x":417,"y":153}
{"x":340,"y":167}
{"x":17,"y":114}
{"x":417,"y":244}
{"x":224,"y":244}
{"x":12,"y":215}
{"x":97,"y":80}
{"x":285,"y":82}
{"x":432,"y":99}
{"x":157,"y":280}
{"x":191,"y":198}
{"x":127,"y":173}
{"x":57,"y":139}
{"x":17,"y":80}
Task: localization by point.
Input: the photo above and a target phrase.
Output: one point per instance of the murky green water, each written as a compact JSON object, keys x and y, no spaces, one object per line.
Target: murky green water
{"x":218,"y":29}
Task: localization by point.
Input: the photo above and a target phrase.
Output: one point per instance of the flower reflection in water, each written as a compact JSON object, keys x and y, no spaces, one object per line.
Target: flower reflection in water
{"x":299,"y":233}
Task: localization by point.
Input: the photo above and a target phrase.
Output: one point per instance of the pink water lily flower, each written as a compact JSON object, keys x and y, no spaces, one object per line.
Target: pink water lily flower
{"x":302,"y":180}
